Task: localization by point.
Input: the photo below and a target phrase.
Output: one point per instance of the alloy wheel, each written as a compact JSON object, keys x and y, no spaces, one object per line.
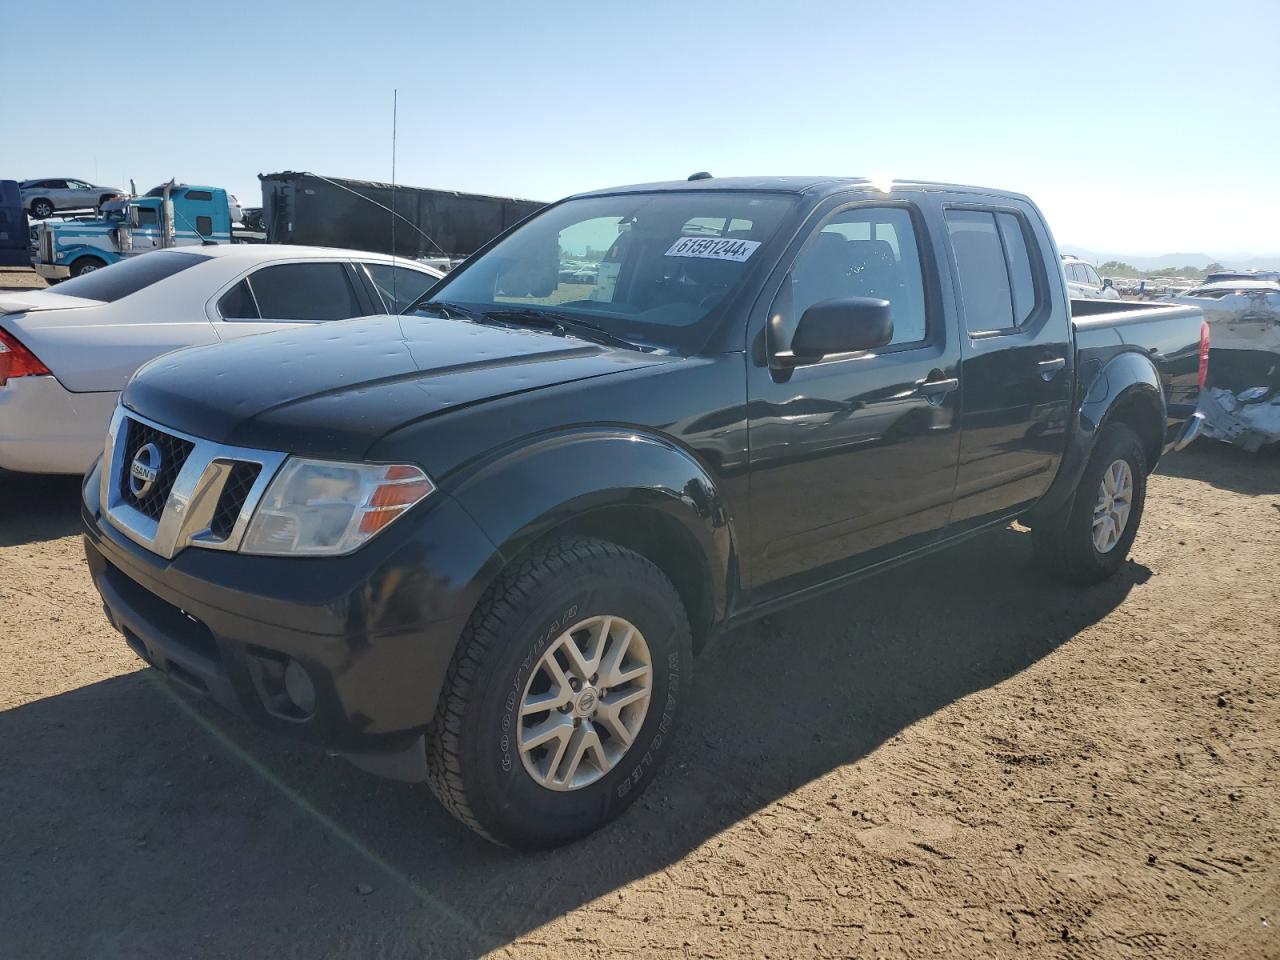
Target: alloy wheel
{"x":585,"y":703}
{"x":1114,"y":503}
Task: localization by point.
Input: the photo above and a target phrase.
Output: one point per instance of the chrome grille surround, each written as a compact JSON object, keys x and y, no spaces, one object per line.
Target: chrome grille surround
{"x":192,"y":504}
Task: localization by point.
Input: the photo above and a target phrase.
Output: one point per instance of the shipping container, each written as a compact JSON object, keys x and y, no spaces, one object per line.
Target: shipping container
{"x":307,"y":208}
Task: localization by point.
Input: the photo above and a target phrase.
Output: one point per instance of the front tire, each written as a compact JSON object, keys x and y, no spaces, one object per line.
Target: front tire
{"x":86,"y":265}
{"x":563,"y":696}
{"x":1088,"y":540}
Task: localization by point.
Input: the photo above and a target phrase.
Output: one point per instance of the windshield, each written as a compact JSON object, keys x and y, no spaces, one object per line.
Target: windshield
{"x":646,"y":268}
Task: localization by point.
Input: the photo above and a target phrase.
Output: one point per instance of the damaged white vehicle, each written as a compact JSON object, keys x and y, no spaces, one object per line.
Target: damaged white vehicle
{"x":1241,"y":404}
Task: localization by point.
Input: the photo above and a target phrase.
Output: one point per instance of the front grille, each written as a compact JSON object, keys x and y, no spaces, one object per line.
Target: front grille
{"x":173,"y":454}
{"x":234,"y":493}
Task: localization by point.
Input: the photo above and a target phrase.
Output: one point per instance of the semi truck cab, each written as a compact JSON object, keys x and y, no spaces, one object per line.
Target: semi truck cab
{"x":171,"y":215}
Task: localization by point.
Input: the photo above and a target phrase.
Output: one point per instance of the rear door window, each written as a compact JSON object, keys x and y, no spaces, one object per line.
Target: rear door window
{"x":994,"y":256}
{"x":305,"y":291}
{"x":398,"y":286}
{"x":1022,"y":281}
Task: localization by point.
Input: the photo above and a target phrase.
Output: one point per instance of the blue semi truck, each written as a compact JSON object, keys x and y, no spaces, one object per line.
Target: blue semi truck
{"x":171,"y":215}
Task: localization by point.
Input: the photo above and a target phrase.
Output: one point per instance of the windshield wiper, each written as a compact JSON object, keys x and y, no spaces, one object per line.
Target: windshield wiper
{"x":447,"y":308}
{"x":550,"y":320}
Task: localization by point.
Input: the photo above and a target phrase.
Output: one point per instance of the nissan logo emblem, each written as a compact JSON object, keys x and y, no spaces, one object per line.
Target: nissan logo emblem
{"x":144,"y":470}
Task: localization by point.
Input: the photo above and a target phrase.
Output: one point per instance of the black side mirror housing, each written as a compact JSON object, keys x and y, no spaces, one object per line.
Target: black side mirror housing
{"x":1107,"y":283}
{"x":842,"y":325}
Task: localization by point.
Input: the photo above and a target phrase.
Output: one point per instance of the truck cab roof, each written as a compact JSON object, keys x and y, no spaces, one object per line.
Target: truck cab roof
{"x":815,"y":187}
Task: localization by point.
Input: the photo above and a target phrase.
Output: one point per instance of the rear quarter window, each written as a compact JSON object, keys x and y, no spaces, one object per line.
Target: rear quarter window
{"x":129,"y":276}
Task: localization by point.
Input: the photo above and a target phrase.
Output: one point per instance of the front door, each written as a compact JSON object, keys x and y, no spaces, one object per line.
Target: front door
{"x":857,"y":452}
{"x":1018,"y":357}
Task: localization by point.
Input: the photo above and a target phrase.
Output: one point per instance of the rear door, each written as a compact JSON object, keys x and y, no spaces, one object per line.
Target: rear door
{"x":56,"y":191}
{"x":280,"y":295}
{"x":1017,"y":357}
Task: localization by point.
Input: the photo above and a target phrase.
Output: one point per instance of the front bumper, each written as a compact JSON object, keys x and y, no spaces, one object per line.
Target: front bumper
{"x":374,"y":630}
{"x":52,"y":271}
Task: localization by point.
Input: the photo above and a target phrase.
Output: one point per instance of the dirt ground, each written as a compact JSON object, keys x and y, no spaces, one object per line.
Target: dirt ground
{"x":955,"y":758}
{"x":20,"y":278}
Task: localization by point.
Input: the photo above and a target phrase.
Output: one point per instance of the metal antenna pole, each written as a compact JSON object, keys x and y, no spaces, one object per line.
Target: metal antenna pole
{"x":395,"y":104}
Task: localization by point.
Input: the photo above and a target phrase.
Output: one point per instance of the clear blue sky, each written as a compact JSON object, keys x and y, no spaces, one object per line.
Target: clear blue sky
{"x":1138,"y":127}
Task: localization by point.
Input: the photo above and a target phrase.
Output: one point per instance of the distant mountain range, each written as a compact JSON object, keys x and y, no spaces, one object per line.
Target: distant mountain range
{"x":1175,"y":260}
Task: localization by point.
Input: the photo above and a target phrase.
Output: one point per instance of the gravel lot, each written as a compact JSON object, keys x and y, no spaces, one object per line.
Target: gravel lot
{"x":955,"y":758}
{"x":20,"y":278}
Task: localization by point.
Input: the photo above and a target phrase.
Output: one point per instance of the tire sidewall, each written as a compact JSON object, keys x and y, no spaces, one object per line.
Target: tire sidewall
{"x":1117,"y":443}
{"x":84,"y":265}
{"x":511,"y":805}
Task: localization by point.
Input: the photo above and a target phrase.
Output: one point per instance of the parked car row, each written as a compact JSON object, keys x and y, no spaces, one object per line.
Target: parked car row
{"x":477,"y":540}
{"x":576,"y":271}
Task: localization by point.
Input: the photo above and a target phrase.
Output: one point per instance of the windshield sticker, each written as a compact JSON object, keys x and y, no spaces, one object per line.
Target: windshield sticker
{"x":713,"y":248}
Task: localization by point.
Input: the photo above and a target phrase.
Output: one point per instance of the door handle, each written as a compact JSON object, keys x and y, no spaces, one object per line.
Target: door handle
{"x":936,"y":388}
{"x":1049,"y":368}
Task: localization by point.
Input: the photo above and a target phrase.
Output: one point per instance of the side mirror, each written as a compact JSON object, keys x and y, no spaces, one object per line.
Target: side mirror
{"x":1107,"y":283}
{"x":842,"y":325}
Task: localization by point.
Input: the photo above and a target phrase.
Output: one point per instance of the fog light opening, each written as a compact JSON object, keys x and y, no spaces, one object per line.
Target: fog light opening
{"x":299,"y":688}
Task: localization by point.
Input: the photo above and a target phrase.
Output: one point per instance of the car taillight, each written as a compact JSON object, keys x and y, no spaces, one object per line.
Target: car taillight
{"x":1204,"y":353}
{"x":17,"y":361}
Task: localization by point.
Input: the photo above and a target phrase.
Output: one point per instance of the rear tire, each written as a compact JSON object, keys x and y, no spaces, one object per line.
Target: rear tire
{"x":41,"y":209}
{"x":1089,"y":538}
{"x":86,"y":265}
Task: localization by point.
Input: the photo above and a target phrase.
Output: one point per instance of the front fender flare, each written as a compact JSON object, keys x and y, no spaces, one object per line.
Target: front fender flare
{"x":70,"y":254}
{"x":525,"y":493}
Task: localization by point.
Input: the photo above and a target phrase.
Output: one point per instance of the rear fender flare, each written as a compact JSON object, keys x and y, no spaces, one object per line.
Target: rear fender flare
{"x":1126,"y":378}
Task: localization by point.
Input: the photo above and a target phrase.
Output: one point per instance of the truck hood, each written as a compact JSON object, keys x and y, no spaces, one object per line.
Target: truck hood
{"x":334,"y":389}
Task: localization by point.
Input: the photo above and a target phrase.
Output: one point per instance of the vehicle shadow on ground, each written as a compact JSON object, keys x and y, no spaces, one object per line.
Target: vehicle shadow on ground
{"x":134,"y":821}
{"x":1226,"y":467}
{"x":37,"y":508}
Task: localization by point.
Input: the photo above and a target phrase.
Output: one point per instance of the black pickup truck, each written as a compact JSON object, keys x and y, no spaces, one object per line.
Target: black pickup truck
{"x":480,"y":542}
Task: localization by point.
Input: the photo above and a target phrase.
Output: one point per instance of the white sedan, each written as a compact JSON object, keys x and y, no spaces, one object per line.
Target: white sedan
{"x":66,"y":352}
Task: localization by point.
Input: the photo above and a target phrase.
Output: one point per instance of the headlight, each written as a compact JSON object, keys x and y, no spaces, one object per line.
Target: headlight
{"x":322,"y":508}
